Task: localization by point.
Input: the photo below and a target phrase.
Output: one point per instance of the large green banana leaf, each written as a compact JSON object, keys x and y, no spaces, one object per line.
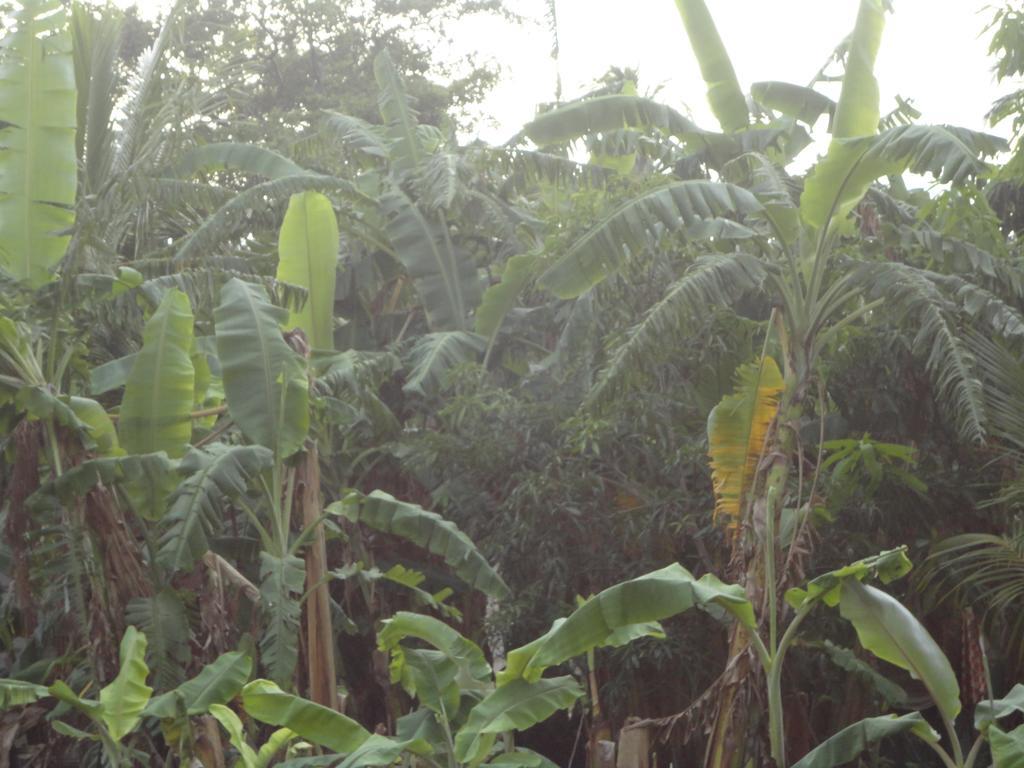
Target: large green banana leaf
{"x":796,"y":101}
{"x":17,"y":693}
{"x":38,"y":165}
{"x":844,"y":746}
{"x":990,"y":711}
{"x":724,"y":94}
{"x":266,"y":702}
{"x":1007,"y":748}
{"x":124,"y":699}
{"x":603,"y":114}
{"x":406,"y":151}
{"x":435,"y":354}
{"x":380,"y":750}
{"x":282,"y":582}
{"x":264,"y":379}
{"x":500,"y":299}
{"x":164,"y":620}
{"x":886,"y":566}
{"x":100,"y":427}
{"x":247,"y":158}
{"x":651,"y":597}
{"x":464,"y":653}
{"x":838,"y":182}
{"x":515,"y":706}
{"x":213,"y":475}
{"x":891,"y":632}
{"x":425,"y":529}
{"x":216,"y":683}
{"x":308,"y":257}
{"x":633,"y":226}
{"x":445,"y":278}
{"x":158,"y":396}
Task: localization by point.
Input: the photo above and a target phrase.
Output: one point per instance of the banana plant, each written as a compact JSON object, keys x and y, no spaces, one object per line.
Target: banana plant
{"x":461,"y":714}
{"x":761,"y":234}
{"x":884,"y":627}
{"x":123,"y":704}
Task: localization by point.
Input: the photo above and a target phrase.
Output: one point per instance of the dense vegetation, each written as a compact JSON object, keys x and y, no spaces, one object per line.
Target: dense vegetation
{"x":330,"y":439}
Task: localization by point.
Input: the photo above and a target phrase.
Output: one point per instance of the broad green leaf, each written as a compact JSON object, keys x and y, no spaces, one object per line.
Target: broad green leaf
{"x":724,"y":95}
{"x":213,"y":475}
{"x":886,"y":566}
{"x":1007,"y":748}
{"x":231,"y":723}
{"x":434,"y":354}
{"x":837,"y":183}
{"x":844,"y":746}
{"x":466,"y":654}
{"x":99,"y":425}
{"x":652,"y":597}
{"x":163,"y":619}
{"x":636,"y":224}
{"x":264,"y":379}
{"x":282,"y":582}
{"x":737,"y":430}
{"x":425,"y":529}
{"x":231,"y":156}
{"x":380,"y":750}
{"x":444,"y":277}
{"x":112,"y":375}
{"x":308,"y":257}
{"x":266,"y":702}
{"x":431,"y":677}
{"x":500,"y":298}
{"x":406,"y":150}
{"x":217,"y":684}
{"x":158,"y":395}
{"x":857,"y":111}
{"x":796,"y":101}
{"x":38,"y":164}
{"x":891,"y":632}
{"x":123,"y":700}
{"x":277,"y":741}
{"x":17,"y":693}
{"x":990,"y":711}
{"x":604,"y":114}
{"x":520,"y":757}
{"x":513,"y":707}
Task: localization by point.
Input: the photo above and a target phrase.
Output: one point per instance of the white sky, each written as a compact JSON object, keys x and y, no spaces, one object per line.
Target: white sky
{"x":932,"y":52}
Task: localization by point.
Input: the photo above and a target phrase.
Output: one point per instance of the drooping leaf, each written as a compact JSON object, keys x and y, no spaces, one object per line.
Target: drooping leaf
{"x":500,"y":298}
{"x":652,"y":597}
{"x":217,"y":683}
{"x":282,"y":582}
{"x":604,"y":114}
{"x":796,"y":101}
{"x":380,"y":751}
{"x":264,"y":379}
{"x":724,"y":95}
{"x":214,"y":474}
{"x":515,"y":706}
{"x":990,"y":711}
{"x":245,"y":158}
{"x":164,"y":622}
{"x":158,"y":395}
{"x":844,"y":746}
{"x":464,"y":653}
{"x":399,"y":116}
{"x":737,"y":430}
{"x":38,"y":164}
{"x":99,"y":425}
{"x":123,"y":700}
{"x":521,"y":757}
{"x":636,"y":224}
{"x":891,"y":632}
{"x":308,"y":257}
{"x":266,"y":702}
{"x":445,"y":278}
{"x":1007,"y":748}
{"x":434,"y":354}
{"x":886,"y":566}
{"x":426,"y":529}
{"x":17,"y":693}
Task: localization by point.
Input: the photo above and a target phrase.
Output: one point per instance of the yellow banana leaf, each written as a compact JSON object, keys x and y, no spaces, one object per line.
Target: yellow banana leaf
{"x":737,"y":427}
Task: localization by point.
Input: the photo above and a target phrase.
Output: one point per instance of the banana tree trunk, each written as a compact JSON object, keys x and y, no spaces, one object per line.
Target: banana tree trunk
{"x":320,"y":668}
